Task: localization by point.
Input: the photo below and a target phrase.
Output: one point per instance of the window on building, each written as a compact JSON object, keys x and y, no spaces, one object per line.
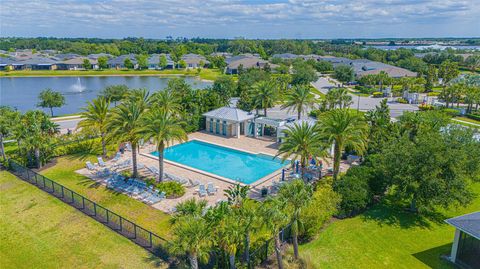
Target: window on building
{"x":211,"y":125}
{"x":217,"y":127}
{"x":224,"y":128}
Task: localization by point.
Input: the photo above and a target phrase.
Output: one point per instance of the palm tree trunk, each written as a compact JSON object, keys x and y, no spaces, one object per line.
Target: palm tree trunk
{"x":231,"y":259}
{"x":134,"y":159}
{"x":37,"y":158}
{"x":278,"y":251}
{"x":295,"y":244}
{"x":193,"y":261}
{"x":265,"y":111}
{"x":51,"y":111}
{"x":299,"y":114}
{"x":2,"y":148}
{"x":247,"y":248}
{"x":104,"y":145}
{"x":161,"y":148}
{"x":336,"y":161}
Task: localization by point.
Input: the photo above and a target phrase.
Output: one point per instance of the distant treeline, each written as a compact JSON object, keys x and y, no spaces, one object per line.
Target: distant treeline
{"x":265,"y":48}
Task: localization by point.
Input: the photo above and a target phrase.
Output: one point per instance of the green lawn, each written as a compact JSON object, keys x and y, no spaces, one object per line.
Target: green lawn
{"x":385,"y":238}
{"x":146,"y":216}
{"x":39,"y":231}
{"x":207,"y":74}
{"x":468,"y":120}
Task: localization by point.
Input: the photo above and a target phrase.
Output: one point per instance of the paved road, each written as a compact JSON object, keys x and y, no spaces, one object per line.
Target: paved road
{"x":365,"y":103}
{"x":66,"y":124}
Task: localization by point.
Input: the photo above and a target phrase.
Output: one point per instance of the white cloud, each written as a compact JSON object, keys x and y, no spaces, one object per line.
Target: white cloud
{"x":57,"y":17}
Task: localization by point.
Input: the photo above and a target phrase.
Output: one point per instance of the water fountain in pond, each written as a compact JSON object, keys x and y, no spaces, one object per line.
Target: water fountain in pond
{"x":77,"y":87}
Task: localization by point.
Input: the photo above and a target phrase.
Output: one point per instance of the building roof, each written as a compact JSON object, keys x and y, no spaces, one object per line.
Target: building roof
{"x":247,"y":62}
{"x":230,"y":114}
{"x":79,"y":60}
{"x":98,"y":55}
{"x":5,"y":61}
{"x":120,"y":60}
{"x":66,"y":56}
{"x":392,"y":71}
{"x":469,"y":224}
{"x":37,"y":61}
{"x":286,"y":56}
{"x":194,"y":58}
{"x":155,"y":59}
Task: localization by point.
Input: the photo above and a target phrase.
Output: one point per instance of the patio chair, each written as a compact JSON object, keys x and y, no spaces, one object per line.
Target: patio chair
{"x":90,"y":166}
{"x":129,"y":147}
{"x":193,"y":183}
{"x":101,"y":162}
{"x":211,"y":189}
{"x":201,"y":190}
{"x":117,"y":157}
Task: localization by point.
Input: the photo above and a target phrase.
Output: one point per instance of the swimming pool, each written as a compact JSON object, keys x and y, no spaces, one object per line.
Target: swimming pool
{"x":225,"y":162}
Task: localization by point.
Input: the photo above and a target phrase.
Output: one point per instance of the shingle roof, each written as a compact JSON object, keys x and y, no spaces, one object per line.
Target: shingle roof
{"x":230,"y":114}
{"x":392,"y":71}
{"x":469,"y":224}
{"x":79,"y":60}
{"x":121,"y":59}
{"x":194,"y":59}
{"x":155,"y":59}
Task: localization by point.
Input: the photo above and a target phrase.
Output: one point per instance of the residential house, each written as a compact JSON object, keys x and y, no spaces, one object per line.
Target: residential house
{"x":246,"y":61}
{"x":95,"y":56}
{"x":66,"y":56}
{"x":36,"y":63}
{"x":6,"y":63}
{"x":154,"y":61}
{"x":195,"y":60}
{"x":286,"y":56}
{"x":76,"y":64}
{"x":119,"y":62}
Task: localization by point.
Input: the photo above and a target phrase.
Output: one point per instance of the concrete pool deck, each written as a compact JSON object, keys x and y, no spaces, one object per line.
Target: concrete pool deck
{"x":248,"y":144}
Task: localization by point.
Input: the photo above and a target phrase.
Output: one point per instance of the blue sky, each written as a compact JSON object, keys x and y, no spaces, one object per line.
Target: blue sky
{"x":240,"y":18}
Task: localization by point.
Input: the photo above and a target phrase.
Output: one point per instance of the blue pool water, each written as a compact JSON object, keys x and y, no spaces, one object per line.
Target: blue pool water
{"x":229,"y":163}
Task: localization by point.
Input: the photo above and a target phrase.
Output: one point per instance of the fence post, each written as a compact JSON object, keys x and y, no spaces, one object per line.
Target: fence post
{"x":73,"y":198}
{"x":106,"y":210}
{"x":63,"y":194}
{"x":83,"y":202}
{"x":135,"y":231}
{"x":95,"y":209}
{"x":43,"y":182}
{"x":121,"y":227}
{"x":151,"y":242}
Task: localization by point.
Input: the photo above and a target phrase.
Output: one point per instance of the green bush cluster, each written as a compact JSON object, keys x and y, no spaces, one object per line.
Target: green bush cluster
{"x":402,"y":101}
{"x":474,"y":116}
{"x":451,"y":112}
{"x":364,"y":89}
{"x":377,"y":94}
{"x":172,"y":189}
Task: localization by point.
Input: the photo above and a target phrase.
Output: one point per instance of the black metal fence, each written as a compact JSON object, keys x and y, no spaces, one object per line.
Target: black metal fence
{"x":121,"y":225}
{"x":141,"y":236}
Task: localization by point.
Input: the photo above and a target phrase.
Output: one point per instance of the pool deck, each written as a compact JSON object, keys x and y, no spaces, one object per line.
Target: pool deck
{"x":248,"y":144}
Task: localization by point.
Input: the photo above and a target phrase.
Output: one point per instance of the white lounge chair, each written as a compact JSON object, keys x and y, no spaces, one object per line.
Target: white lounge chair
{"x":211,"y":189}
{"x":117,"y":157}
{"x":101,"y":162}
{"x":90,"y":166}
{"x":129,"y":147}
{"x":201,"y":190}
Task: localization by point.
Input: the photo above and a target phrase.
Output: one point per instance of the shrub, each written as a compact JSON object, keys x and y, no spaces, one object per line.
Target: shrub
{"x":377,"y":94}
{"x":323,"y":206}
{"x":433,"y":94}
{"x":355,"y":192}
{"x":402,"y":101}
{"x":172,"y":189}
{"x":473,"y":116}
{"x":424,"y":107}
{"x":451,"y":112}
{"x":126,"y":173}
{"x":364,"y":89}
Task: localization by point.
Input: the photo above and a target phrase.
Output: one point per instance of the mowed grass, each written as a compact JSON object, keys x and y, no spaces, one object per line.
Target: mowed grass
{"x":207,"y":74}
{"x":39,"y":231}
{"x":383,"y":237}
{"x":63,"y":172}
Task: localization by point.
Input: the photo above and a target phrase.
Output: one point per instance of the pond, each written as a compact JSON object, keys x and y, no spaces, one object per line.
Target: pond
{"x":22,"y":92}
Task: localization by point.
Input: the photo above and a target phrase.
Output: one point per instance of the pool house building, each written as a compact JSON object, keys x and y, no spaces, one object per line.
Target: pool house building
{"x":227,"y":121}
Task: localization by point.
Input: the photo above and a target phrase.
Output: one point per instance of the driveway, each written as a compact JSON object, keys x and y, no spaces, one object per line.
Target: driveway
{"x":364,"y":103}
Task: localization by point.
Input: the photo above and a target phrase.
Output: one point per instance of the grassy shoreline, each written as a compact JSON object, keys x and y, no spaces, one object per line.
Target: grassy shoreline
{"x":205,"y":74}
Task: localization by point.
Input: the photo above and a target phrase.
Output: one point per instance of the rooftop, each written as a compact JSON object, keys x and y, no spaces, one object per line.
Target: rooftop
{"x":469,"y":223}
{"x":230,"y":114}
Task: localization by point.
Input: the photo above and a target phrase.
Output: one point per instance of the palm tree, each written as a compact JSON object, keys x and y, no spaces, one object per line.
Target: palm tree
{"x":95,"y":115}
{"x":126,"y":124}
{"x":345,"y":129}
{"x":296,"y":195}
{"x":249,"y":218}
{"x":274,"y":218}
{"x":164,"y":128}
{"x":191,"y":236}
{"x":8,"y":119}
{"x":264,"y":95}
{"x":229,"y":236}
{"x":166,"y":100}
{"x":302,"y":141}
{"x":300,"y":98}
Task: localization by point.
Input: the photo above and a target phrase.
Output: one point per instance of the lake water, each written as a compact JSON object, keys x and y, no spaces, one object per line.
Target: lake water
{"x":22,"y":92}
{"x":440,"y":47}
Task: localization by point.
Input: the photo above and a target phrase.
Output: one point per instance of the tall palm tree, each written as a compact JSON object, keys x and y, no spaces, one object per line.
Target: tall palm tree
{"x":164,"y":128}
{"x":95,"y":115}
{"x":300,"y":98}
{"x":302,"y":141}
{"x":166,"y":100}
{"x":345,"y":129}
{"x":126,"y":124}
{"x":229,"y":236}
{"x":191,"y":236}
{"x":264,"y":95}
{"x":248,"y":216}
{"x":274,"y":218}
{"x":296,"y":195}
{"x":8,"y":119}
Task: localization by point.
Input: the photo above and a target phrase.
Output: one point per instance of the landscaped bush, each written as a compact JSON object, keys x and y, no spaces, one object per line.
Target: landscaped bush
{"x":474,"y":116}
{"x":172,"y":189}
{"x":363,"y":89}
{"x":377,"y":94}
{"x":424,"y":107}
{"x":433,"y":94}
{"x":451,"y":112}
{"x":402,"y":101}
{"x":355,"y":192}
{"x":323,"y":206}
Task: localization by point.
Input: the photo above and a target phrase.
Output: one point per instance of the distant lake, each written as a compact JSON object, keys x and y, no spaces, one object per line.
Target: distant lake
{"x":22,"y":92}
{"x":395,"y":47}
